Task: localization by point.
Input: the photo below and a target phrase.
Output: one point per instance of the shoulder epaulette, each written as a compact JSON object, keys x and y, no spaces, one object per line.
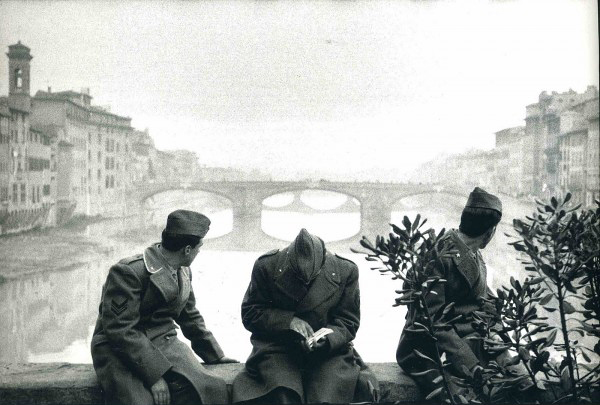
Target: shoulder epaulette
{"x":269,"y":253}
{"x":131,"y":259}
{"x":345,"y":258}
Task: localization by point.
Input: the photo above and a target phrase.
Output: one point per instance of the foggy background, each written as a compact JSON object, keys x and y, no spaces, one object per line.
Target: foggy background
{"x":338,"y":89}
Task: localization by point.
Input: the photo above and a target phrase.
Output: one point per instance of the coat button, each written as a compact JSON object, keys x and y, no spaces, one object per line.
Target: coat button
{"x":167,"y":337}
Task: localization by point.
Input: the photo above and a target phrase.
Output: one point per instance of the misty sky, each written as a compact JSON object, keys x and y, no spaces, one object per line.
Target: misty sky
{"x":341,"y":89}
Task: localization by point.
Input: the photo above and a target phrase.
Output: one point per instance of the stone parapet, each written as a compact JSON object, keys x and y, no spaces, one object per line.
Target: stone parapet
{"x":66,"y":384}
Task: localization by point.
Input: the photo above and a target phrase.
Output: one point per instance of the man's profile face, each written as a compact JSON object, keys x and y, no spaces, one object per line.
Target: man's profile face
{"x":487,"y":240}
{"x":193,"y":252}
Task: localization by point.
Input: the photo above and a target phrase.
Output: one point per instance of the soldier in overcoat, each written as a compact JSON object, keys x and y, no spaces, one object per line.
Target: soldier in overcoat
{"x":294,"y":292}
{"x":466,"y":287}
{"x":135,"y":350}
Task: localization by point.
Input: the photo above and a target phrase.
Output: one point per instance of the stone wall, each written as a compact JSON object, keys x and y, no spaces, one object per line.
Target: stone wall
{"x":70,"y":384}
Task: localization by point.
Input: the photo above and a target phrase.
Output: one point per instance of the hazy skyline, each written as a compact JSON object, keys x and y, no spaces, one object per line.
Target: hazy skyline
{"x":328,"y":87}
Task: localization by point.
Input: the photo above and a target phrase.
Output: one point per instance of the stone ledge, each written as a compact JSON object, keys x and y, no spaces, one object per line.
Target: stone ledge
{"x":76,"y":384}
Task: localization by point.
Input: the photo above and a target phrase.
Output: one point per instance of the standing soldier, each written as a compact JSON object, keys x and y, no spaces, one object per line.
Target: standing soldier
{"x":465,"y":287}
{"x":137,"y":356}
{"x":293,"y":293}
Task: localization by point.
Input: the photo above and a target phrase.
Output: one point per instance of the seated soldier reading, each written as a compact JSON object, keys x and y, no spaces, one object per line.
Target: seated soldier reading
{"x":293,"y":293}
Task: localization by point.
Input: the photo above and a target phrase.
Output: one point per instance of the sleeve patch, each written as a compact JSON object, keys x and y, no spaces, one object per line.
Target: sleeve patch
{"x":118,"y":306}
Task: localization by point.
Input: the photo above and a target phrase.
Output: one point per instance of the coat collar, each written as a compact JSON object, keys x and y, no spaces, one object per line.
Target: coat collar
{"x":321,"y":288}
{"x":466,"y":261}
{"x":163,"y":276}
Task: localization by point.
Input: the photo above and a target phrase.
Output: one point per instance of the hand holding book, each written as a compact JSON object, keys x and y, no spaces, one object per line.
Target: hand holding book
{"x":317,"y":336}
{"x":310,"y":340}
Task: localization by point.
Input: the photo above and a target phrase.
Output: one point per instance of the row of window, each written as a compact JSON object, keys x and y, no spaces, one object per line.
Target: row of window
{"x":38,"y":165}
{"x":36,"y":137}
{"x":19,"y":193}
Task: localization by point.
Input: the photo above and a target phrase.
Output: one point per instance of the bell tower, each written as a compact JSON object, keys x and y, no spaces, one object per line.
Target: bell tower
{"x":19,"y":77}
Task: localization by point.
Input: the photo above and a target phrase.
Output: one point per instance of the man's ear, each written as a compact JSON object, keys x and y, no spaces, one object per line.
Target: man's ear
{"x":187,"y":250}
{"x":489,"y":234}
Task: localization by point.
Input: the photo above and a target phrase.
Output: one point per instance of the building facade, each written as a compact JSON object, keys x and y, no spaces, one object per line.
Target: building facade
{"x":542,"y":123}
{"x":93,"y":152}
{"x":557,"y":151}
{"x":578,"y":149}
{"x":27,"y":181}
{"x":514,"y":162}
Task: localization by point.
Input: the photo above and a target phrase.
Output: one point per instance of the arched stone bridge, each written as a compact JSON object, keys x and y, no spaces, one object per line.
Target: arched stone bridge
{"x":376,"y":201}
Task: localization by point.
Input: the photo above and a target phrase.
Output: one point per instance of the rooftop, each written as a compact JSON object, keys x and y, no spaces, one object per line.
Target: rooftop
{"x":73,"y":97}
{"x":19,"y":51}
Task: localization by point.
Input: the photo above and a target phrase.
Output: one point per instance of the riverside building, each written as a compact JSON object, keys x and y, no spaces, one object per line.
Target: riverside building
{"x":27,"y":176}
{"x":93,"y":153}
{"x":578,"y":152}
{"x":543,"y":124}
{"x":514,"y":162}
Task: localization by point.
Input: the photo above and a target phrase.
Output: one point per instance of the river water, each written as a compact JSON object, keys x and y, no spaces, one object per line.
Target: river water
{"x":49,"y":316}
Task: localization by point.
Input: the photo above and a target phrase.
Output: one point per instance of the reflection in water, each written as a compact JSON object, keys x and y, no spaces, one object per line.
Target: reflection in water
{"x":332,"y":216}
{"x":44,"y":313}
{"x":50,"y":316}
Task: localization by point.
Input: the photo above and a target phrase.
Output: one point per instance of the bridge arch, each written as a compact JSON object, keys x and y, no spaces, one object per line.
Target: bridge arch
{"x":336,"y":216}
{"x":376,"y":202}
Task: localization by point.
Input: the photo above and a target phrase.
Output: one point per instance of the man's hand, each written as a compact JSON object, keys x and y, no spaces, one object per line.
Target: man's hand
{"x":223,"y":360}
{"x":160,"y":392}
{"x":303,"y":328}
{"x":319,"y":343}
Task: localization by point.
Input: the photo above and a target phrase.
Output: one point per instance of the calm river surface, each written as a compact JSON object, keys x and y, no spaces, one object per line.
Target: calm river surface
{"x":49,"y":316}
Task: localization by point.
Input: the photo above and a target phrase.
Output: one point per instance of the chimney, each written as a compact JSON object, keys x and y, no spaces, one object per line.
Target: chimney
{"x":49,"y":89}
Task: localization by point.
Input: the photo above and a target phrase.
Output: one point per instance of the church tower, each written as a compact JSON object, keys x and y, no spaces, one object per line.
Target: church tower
{"x":18,"y":77}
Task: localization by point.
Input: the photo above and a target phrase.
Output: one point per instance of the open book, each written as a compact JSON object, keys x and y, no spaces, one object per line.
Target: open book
{"x":318,"y":335}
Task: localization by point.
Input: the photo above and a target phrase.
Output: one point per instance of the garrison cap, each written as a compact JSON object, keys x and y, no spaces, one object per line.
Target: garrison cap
{"x":184,"y":222}
{"x":479,"y":198}
{"x":307,"y":255}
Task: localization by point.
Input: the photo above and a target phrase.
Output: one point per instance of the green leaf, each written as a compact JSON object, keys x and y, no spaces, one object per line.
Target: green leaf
{"x":567,"y":198}
{"x":438,"y":379}
{"x":406,"y":223}
{"x":434,"y":393}
{"x":565,"y":379}
{"x":568,"y":308}
{"x":421,"y":326}
{"x":551,"y":338}
{"x":585,"y":356}
{"x":546,"y":299}
{"x":422,"y":373}
{"x":423,"y":356}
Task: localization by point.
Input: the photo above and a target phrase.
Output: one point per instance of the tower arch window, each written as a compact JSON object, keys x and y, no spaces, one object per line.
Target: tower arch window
{"x":19,"y":78}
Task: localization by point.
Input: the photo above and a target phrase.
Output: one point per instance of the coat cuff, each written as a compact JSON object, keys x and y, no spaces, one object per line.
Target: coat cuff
{"x":281,"y":319}
{"x":153,"y":368}
{"x":209,"y":352}
{"x":336,"y":341}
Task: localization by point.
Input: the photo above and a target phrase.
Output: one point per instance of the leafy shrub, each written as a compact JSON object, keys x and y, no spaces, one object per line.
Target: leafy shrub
{"x":561,"y":249}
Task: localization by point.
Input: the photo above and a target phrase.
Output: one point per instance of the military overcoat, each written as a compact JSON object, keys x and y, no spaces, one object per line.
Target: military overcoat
{"x":273,"y":298}
{"x":135,"y":340}
{"x":465,"y":273}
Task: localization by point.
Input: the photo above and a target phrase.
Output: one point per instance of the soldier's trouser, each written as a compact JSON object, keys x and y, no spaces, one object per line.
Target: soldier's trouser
{"x":181,"y":390}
